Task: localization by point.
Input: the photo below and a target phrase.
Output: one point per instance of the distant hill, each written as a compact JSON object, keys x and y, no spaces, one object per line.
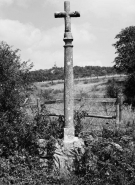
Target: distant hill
{"x":57,"y":73}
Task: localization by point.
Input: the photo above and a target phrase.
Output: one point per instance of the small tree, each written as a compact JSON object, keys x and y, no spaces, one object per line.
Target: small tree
{"x":125,"y":49}
{"x":20,"y":149}
{"x":14,"y":80}
{"x":104,"y":72}
{"x":129,"y":89}
{"x":112,"y":89}
{"x":125,"y":60}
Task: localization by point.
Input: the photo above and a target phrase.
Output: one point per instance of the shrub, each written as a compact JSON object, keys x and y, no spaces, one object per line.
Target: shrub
{"x":14,"y":81}
{"x":57,"y":91}
{"x":19,"y":149}
{"x":129,"y":90}
{"x":46,"y":94}
{"x":107,"y":160}
{"x":86,"y":82}
{"x":78,"y":117}
{"x":112,"y":89}
{"x":22,"y":165}
{"x":45,"y":85}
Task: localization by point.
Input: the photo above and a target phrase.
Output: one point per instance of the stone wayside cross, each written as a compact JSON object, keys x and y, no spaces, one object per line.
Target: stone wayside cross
{"x":69,"y":135}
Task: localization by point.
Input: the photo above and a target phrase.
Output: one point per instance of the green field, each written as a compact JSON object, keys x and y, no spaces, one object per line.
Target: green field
{"x":83,"y":88}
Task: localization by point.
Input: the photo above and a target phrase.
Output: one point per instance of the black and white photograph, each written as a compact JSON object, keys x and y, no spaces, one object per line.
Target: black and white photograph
{"x":67,"y":92}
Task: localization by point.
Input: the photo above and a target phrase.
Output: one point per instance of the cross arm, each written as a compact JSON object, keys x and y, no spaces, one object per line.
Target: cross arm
{"x":60,"y":14}
{"x":74,"y":14}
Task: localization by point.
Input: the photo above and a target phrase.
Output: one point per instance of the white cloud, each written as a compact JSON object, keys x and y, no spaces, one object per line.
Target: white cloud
{"x":93,"y":32}
{"x":17,"y":33}
{"x":22,"y":3}
{"x":106,"y":8}
{"x":82,"y":33}
{"x":42,"y":47}
{"x":32,"y":41}
{"x":6,"y":2}
{"x":27,"y":36}
{"x":87,"y":58}
{"x":88,"y":62}
{"x":98,"y":7}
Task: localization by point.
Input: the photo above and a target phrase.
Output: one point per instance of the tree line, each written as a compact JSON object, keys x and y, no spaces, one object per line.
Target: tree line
{"x":57,"y":73}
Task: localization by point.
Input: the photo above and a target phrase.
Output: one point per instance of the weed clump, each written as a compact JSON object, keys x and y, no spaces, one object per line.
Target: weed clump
{"x":113,"y":89}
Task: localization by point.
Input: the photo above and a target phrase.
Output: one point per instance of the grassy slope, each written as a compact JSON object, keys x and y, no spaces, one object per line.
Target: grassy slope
{"x":85,"y":88}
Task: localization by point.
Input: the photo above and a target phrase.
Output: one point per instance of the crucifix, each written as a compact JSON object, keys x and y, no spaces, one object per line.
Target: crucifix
{"x":69,"y":135}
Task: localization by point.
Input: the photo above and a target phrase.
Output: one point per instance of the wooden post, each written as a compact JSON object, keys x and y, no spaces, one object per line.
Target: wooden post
{"x":68,"y":72}
{"x":117,"y":112}
{"x":119,"y":109}
{"x":38,"y":105}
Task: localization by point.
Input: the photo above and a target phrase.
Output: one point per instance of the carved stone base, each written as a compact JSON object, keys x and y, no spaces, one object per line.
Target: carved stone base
{"x":69,"y":135}
{"x":65,"y":155}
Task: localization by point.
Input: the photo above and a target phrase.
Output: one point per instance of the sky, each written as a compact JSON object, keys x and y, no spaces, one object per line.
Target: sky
{"x":30,"y":26}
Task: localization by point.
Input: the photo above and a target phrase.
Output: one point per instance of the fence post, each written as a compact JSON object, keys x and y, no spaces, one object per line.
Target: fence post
{"x":120,"y":99}
{"x":38,"y":105}
{"x":119,"y":109}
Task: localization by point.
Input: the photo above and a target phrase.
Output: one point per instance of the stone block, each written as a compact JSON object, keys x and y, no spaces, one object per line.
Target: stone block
{"x":69,"y":134}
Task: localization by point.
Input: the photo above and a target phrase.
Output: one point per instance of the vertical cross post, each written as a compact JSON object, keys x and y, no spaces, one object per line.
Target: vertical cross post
{"x":68,"y":72}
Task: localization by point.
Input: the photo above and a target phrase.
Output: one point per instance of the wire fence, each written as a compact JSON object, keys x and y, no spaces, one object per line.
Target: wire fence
{"x":99,"y":111}
{"x":105,"y":108}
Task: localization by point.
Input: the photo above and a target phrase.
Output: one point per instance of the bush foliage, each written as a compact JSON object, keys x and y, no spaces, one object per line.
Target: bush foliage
{"x":113,"y":89}
{"x":27,"y":147}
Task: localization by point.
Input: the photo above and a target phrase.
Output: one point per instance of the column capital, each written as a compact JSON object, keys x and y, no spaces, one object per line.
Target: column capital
{"x":68,"y":35}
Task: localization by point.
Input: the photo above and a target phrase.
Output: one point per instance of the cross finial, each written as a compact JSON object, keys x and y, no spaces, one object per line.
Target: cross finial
{"x":67,"y":15}
{"x":67,"y":6}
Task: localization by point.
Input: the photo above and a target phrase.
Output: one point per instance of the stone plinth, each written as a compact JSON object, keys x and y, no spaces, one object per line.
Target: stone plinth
{"x":69,"y":135}
{"x":65,"y":156}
